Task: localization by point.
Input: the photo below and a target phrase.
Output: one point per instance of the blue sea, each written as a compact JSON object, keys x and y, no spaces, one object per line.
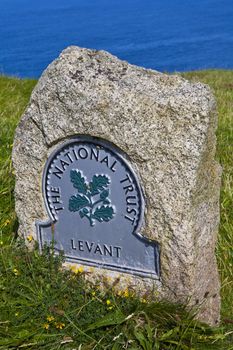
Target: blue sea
{"x":166,"y":35}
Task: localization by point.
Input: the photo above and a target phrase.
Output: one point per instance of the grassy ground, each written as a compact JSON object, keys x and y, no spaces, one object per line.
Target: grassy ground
{"x":43,"y":307}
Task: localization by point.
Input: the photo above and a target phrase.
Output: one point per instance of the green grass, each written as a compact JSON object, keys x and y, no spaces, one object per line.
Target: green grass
{"x":81,"y":315}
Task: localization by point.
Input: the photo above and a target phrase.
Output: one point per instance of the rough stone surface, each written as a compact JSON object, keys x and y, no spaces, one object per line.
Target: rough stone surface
{"x":167,"y":126}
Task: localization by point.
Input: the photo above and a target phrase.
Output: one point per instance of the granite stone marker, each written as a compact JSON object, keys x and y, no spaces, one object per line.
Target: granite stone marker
{"x":115,"y":163}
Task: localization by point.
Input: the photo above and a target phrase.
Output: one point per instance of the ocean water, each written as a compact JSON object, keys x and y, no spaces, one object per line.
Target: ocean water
{"x":166,"y":35}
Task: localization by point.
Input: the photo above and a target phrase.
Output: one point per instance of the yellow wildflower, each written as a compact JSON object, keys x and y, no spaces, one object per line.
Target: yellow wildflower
{"x":1,"y":242}
{"x":6,"y":222}
{"x":59,"y":325}
{"x":46,"y":326}
{"x":143,"y":301}
{"x":50,"y":318}
{"x":80,"y":269}
{"x":30,"y":238}
{"x":74,"y":269}
{"x":126,"y":293}
{"x":77,"y":270}
{"x":16,"y":272}
{"x":110,"y":307}
{"x":108,"y":302}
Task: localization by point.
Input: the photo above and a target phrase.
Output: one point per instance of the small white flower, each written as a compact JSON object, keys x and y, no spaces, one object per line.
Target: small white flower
{"x":117,"y":336}
{"x":128,"y":317}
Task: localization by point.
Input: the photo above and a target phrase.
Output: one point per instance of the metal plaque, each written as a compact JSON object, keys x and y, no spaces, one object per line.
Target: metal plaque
{"x":96,"y":207}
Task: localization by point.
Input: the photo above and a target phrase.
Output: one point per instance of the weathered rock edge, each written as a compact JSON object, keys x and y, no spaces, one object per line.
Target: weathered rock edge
{"x":167,"y":126}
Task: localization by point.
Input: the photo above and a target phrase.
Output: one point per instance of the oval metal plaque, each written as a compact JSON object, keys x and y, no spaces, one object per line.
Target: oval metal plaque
{"x":96,"y":208}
